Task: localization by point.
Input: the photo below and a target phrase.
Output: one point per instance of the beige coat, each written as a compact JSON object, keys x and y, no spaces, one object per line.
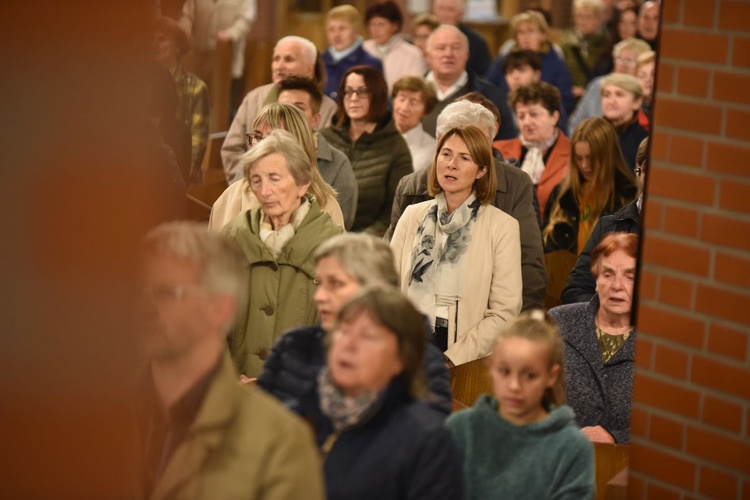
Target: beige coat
{"x":238,"y":198}
{"x":242,"y":445}
{"x":492,"y":288}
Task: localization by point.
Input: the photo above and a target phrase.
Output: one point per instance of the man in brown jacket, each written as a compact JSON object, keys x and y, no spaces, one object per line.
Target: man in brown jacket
{"x":203,"y":434}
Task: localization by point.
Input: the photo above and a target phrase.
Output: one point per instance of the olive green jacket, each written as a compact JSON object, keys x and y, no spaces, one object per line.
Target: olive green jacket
{"x":281,"y":290}
{"x":244,"y":445}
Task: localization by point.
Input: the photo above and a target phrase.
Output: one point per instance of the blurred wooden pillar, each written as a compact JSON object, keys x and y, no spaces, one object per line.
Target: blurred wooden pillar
{"x":220,"y":87}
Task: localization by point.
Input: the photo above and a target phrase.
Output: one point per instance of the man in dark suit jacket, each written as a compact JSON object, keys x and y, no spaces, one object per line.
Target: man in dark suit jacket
{"x":447,"y":55}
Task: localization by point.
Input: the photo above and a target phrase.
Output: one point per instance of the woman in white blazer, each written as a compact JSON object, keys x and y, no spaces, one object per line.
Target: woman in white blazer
{"x":458,"y":256}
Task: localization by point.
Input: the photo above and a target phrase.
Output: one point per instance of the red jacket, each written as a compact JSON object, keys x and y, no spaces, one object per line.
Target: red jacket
{"x":555,"y":169}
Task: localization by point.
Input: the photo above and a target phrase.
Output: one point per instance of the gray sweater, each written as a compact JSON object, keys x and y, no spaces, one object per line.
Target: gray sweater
{"x":599,"y":393}
{"x":546,"y":459}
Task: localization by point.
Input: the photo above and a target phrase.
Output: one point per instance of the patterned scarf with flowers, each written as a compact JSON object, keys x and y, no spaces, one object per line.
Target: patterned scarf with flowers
{"x":439,"y":257}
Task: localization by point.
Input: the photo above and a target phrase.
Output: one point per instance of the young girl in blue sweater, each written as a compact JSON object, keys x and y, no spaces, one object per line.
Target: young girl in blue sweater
{"x":523,"y":442}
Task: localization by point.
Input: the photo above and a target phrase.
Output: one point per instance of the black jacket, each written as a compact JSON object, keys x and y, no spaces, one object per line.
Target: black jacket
{"x":293,"y":365}
{"x":581,"y":285}
{"x":400,"y":450}
{"x":565,"y":236}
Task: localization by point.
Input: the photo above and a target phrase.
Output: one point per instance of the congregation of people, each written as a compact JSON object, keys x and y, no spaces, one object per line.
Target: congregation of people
{"x":397,"y":205}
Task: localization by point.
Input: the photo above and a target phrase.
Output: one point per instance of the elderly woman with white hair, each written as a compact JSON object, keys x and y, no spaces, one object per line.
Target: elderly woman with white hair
{"x":514,"y":195}
{"x":622,"y":97}
{"x":278,"y":238}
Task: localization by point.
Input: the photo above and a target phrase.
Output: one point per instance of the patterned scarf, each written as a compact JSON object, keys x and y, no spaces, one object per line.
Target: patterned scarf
{"x":533,"y":162}
{"x":342,"y":410}
{"x":276,"y":240}
{"x":438,"y":259}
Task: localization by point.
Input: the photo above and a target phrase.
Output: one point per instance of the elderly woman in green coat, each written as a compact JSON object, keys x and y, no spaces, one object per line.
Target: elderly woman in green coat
{"x":278,"y":239}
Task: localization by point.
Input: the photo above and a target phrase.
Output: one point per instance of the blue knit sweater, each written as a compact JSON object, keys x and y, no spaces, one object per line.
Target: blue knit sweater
{"x":547,"y":459}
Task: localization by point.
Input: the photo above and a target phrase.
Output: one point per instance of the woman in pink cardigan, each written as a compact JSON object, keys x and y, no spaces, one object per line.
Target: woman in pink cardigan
{"x":542,"y":149}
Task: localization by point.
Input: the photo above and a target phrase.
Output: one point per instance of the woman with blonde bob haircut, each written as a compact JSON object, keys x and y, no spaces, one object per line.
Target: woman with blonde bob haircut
{"x":435,"y":241}
{"x":598,"y":183}
{"x":278,"y":239}
{"x":238,"y":197}
{"x":622,"y":98}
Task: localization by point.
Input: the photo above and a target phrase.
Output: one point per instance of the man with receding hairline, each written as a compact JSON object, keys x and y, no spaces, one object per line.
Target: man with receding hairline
{"x":292,"y":56}
{"x":447,"y":56}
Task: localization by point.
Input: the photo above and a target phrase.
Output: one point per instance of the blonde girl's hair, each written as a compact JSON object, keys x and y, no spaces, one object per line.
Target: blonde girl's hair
{"x":608,"y":168}
{"x":530,"y":16}
{"x":282,"y":115}
{"x":535,"y":325}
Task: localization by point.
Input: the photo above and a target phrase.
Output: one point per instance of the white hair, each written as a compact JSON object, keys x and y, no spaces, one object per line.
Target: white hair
{"x":464,"y":113}
{"x":309,"y":50}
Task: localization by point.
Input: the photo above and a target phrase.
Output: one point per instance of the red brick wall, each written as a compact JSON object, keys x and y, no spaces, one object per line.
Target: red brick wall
{"x":691,"y":414}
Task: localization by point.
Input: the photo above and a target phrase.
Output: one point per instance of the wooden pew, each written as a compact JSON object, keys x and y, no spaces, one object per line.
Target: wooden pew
{"x":611,"y":459}
{"x":201,"y":197}
{"x":471,"y":379}
{"x":559,"y":265}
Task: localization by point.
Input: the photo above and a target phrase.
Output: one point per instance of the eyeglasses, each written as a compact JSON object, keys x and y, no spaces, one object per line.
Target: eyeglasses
{"x":362,"y":92}
{"x":625,"y":61}
{"x":163,"y":294}
{"x":254,"y":138}
{"x":639,"y":170}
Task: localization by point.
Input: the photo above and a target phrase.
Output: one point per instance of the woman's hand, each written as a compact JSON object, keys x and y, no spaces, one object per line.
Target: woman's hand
{"x":247,"y":380}
{"x":598,"y":434}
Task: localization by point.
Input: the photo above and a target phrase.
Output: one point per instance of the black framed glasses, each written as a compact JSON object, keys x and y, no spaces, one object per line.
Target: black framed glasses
{"x":637,"y":170}
{"x":362,"y":92}
{"x":254,"y":138}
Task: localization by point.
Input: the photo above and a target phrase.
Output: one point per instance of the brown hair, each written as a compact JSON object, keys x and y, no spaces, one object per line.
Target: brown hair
{"x":612,"y":242}
{"x":378,"y":88}
{"x":170,"y":28}
{"x":305,"y":84}
{"x":535,"y":325}
{"x":414,"y":83}
{"x":536,"y":92}
{"x":608,"y":168}
{"x":389,"y":308}
{"x":480,"y":150}
{"x":387,"y":10}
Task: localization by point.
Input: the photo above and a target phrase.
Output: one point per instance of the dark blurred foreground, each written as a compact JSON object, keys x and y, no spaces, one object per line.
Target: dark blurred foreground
{"x":78,"y":189}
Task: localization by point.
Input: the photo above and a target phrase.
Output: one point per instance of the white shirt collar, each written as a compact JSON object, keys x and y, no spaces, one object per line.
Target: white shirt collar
{"x":462,"y":80}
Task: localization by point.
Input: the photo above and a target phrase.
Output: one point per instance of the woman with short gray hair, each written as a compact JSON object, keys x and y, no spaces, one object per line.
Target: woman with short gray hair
{"x":278,"y":239}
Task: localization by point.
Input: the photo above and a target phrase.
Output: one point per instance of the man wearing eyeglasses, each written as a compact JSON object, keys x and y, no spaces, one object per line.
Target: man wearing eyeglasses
{"x":204,"y":435}
{"x":292,"y":56}
{"x":581,"y":284}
